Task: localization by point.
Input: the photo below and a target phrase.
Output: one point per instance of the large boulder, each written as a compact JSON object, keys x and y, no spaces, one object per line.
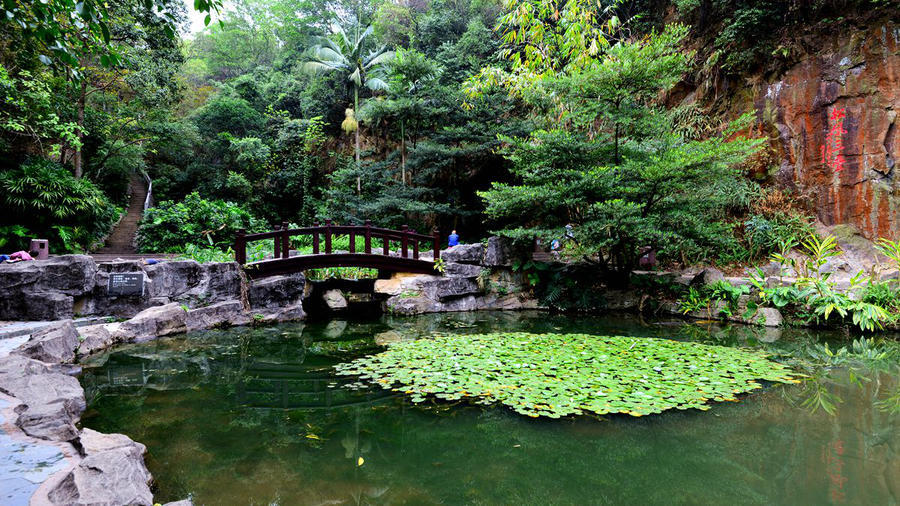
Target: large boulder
{"x":708,"y":276}
{"x":403,"y":282}
{"x":334,"y":299}
{"x":464,"y":253}
{"x":112,"y":473}
{"x":170,"y":280}
{"x":458,"y":270}
{"x":152,"y":323}
{"x":184,"y":281}
{"x":511,"y":302}
{"x":44,"y":289}
{"x":276,"y":291}
{"x":52,"y":402}
{"x":499,"y":252}
{"x":71,"y":275}
{"x":406,"y":305}
{"x":36,"y":306}
{"x":95,"y":338}
{"x":93,"y":442}
{"x":222,"y":314}
{"x":223,"y":281}
{"x":53,"y":344}
{"x":279,"y":314}
{"x":767,"y":317}
{"x":449,"y":288}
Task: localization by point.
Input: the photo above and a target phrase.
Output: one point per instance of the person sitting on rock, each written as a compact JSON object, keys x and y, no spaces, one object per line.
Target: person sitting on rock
{"x":453,"y":240}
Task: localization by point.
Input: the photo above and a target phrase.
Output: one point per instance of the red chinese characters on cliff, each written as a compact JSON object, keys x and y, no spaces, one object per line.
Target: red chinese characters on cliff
{"x":834,"y":144}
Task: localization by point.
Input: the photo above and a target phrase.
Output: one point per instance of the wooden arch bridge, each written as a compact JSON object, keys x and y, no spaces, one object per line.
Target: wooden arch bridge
{"x":405,"y":259}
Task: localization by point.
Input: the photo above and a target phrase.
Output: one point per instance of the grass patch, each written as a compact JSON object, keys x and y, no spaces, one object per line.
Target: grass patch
{"x":557,"y":375}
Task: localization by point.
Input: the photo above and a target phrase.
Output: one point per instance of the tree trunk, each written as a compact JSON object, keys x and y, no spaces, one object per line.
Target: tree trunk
{"x":402,"y":153}
{"x":356,"y":112}
{"x":77,"y":160}
{"x":617,"y":144}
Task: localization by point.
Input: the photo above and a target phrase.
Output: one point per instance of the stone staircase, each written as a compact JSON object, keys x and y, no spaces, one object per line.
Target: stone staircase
{"x":121,"y":240}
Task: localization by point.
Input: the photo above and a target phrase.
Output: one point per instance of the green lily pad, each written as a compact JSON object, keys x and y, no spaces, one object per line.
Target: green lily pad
{"x":558,"y":375}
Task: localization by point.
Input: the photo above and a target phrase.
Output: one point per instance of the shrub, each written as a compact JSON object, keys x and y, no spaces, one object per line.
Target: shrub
{"x":171,"y":226}
{"x":43,"y":199}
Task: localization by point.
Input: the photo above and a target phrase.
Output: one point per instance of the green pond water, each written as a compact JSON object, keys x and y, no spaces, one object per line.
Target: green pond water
{"x":256,"y":416}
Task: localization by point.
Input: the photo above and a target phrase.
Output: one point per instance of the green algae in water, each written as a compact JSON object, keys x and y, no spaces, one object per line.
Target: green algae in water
{"x":557,"y":375}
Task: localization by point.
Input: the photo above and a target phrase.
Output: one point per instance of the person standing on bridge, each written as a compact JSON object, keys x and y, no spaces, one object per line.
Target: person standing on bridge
{"x":453,"y":240}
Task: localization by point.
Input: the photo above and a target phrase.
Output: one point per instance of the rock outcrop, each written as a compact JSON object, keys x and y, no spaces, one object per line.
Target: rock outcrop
{"x":334,"y":299}
{"x":52,"y":402}
{"x":96,"y":338}
{"x":475,"y":278}
{"x":62,"y":286}
{"x":44,"y":289}
{"x":857,"y":72}
{"x":277,"y":298}
{"x":223,"y":314}
{"x":111,"y":472}
{"x":464,"y":253}
{"x":54,"y":344}
{"x":152,"y":323}
{"x":499,"y":252}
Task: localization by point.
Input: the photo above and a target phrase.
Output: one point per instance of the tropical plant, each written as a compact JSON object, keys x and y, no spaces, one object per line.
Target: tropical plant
{"x":45,"y":199}
{"x":815,"y":296}
{"x":890,"y":249}
{"x":339,"y":53}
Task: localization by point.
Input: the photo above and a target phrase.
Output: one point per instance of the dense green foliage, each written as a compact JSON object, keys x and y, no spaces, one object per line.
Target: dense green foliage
{"x":617,"y":168}
{"x":169,"y":226}
{"x":558,"y":375}
{"x":48,"y":202}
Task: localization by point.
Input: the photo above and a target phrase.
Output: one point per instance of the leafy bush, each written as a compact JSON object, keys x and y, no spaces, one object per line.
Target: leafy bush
{"x":814,"y":297}
{"x":43,"y":199}
{"x":225,"y":113}
{"x":767,"y":235}
{"x":171,"y":226}
{"x":702,"y":298}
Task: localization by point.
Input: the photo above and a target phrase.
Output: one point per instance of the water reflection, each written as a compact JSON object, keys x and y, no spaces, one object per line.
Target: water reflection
{"x":255,"y":417}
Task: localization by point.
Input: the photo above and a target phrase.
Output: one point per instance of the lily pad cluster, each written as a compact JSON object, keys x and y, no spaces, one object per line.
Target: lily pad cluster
{"x":557,"y":375}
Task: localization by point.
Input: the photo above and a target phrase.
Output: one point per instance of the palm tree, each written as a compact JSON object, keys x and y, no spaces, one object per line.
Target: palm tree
{"x":341,"y":54}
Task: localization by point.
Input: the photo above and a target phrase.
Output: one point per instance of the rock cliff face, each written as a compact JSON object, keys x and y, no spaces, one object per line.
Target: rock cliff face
{"x":857,"y":71}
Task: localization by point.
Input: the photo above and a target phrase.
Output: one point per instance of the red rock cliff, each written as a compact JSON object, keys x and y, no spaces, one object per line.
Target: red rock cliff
{"x":858,"y":71}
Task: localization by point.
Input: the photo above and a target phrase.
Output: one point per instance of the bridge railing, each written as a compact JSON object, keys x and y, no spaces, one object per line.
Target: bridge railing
{"x":323,"y":235}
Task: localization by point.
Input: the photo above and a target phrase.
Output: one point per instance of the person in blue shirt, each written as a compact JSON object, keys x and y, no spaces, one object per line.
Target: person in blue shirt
{"x":453,"y":240}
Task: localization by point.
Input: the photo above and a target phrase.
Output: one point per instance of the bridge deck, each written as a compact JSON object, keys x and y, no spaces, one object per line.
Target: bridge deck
{"x":299,"y":263}
{"x":405,"y":259}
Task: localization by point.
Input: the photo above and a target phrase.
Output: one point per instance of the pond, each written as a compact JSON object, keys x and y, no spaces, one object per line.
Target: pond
{"x":256,"y":416}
